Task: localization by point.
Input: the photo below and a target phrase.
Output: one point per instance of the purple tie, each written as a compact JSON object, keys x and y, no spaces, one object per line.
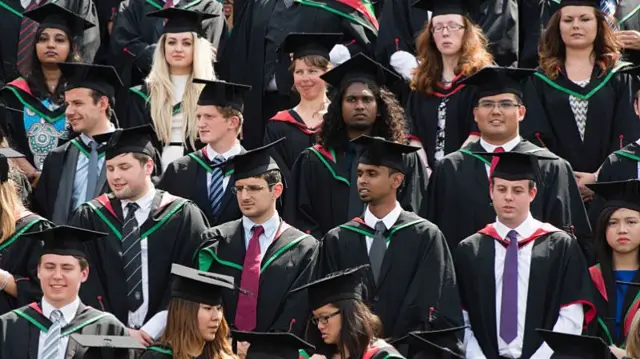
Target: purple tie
{"x":509,"y":308}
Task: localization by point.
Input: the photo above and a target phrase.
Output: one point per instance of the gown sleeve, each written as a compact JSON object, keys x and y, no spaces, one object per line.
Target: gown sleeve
{"x":414,"y":190}
{"x":626,"y":126}
{"x":536,"y":127}
{"x":126,"y":42}
{"x":298,"y":207}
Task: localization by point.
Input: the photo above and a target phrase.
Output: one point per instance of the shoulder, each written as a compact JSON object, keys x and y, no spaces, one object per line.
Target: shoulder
{"x":470,"y":244}
{"x":224,"y":230}
{"x":300,"y":236}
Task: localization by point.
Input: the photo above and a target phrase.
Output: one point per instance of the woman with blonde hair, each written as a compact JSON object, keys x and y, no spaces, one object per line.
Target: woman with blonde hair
{"x":196,"y":327}
{"x":168,"y":98}
{"x":439,"y":108}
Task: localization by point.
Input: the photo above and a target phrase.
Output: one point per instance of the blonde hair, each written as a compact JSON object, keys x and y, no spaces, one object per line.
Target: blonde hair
{"x":10,"y":204}
{"x":633,"y":338}
{"x":161,"y":89}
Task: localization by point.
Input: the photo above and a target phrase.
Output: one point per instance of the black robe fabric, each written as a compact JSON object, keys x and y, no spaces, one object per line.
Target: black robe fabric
{"x":163,"y":351}
{"x":459,"y":188}
{"x":611,"y":121}
{"x":20,"y":330}
{"x":400,"y":29}
{"x":417,"y":275}
{"x":288,"y":263}
{"x":195,"y":167}
{"x":558,"y":274}
{"x":422,"y":114}
{"x":135,"y":35}
{"x":173,"y":232}
{"x":11,"y":14}
{"x":322,"y":191}
{"x":19,"y":255}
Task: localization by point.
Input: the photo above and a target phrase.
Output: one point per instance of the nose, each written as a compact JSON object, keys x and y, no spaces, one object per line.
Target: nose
{"x":57,"y":273}
{"x":244,"y":194}
{"x":69,"y":111}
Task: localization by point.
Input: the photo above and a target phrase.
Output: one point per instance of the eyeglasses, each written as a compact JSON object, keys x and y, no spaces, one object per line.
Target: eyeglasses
{"x":324,"y":320}
{"x":252,"y":188}
{"x":502,"y":105}
{"x":450,"y":28}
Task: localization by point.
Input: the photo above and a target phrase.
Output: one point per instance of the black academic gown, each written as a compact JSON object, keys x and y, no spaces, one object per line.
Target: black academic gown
{"x":422,"y":114}
{"x":163,"y":351}
{"x":288,"y":263}
{"x":195,"y":167}
{"x":323,"y":194}
{"x":19,"y":255}
{"x":459,"y":188}
{"x":558,"y":274}
{"x":107,"y":10}
{"x":400,"y":29}
{"x":417,"y":274}
{"x":135,"y":35}
{"x":20,"y":330}
{"x":173,"y":232}
{"x":611,"y":120}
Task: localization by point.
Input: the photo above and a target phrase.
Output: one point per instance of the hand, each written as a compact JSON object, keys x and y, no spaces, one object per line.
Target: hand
{"x":619,"y":353}
{"x":243,"y":348}
{"x":630,"y":39}
{"x":142,"y":337}
{"x":583,"y":179}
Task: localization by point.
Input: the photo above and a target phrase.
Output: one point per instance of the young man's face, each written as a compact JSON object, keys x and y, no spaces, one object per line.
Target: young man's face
{"x":127,"y":176}
{"x":255,"y":196}
{"x":377,"y":182}
{"x":82,"y":112}
{"x":359,"y":106}
{"x":60,"y":278}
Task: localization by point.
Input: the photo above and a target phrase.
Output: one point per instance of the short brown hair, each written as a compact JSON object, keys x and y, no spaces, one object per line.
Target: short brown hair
{"x":141,"y":157}
{"x":312,"y":60}
{"x":271,"y":177}
{"x":84,"y":264}
{"x":227,"y":112}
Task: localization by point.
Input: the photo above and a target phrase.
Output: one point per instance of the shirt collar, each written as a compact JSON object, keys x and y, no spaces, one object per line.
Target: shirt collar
{"x":144,"y":201}
{"x":524,"y":230}
{"x":270,"y":226}
{"x":68,"y":311}
{"x":86,"y":139}
{"x":509,"y":146}
{"x":236,"y":149}
{"x":389,"y":220}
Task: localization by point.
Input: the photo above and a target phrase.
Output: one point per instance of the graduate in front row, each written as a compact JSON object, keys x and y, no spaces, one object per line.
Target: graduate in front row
{"x":148,"y":230}
{"x":412,"y":274}
{"x":265,"y":255}
{"x":519,"y":274}
{"x":41,"y":329}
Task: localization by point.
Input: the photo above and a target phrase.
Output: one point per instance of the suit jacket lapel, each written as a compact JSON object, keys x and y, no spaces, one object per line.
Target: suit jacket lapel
{"x":62,"y":205}
{"x":102,"y":185}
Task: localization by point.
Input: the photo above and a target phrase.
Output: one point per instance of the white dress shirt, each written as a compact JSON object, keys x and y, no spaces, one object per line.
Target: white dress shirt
{"x":81,"y":177}
{"x":389,"y":220}
{"x":570,"y":318}
{"x":211,"y":154}
{"x":68,"y":313}
{"x":270,"y":230}
{"x":508,"y":147}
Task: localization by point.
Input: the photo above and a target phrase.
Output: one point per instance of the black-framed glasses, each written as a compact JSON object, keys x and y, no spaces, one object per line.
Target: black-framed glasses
{"x":502,"y":105}
{"x":324,"y":320}
{"x":251,"y":188}
{"x":449,"y":27}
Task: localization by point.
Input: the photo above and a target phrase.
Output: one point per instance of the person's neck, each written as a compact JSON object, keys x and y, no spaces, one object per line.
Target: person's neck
{"x":626,"y":261}
{"x":311,"y":106}
{"x":51,"y":75}
{"x":144,"y":192}
{"x":579,"y":57}
{"x":261,"y":219}
{"x":59,"y":304}
{"x":449,"y":64}
{"x":179,"y":71}
{"x":197,"y":350}
{"x":498,"y":141}
{"x":224,"y":144}
{"x":101,"y":127}
{"x":514,"y":223}
{"x":353,"y":133}
{"x":382,"y":208}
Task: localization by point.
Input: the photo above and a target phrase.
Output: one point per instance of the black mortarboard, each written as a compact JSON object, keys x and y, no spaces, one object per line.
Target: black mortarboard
{"x":433,"y":343}
{"x":66,"y":240}
{"x":181,"y":20}
{"x":253,"y":163}
{"x":446,"y":7}
{"x":51,"y":15}
{"x":199,"y":287}
{"x":515,"y":166}
{"x":137,"y":139}
{"x":359,"y":68}
{"x":569,"y":346}
{"x":624,"y":194}
{"x":592,"y":3}
{"x":335,"y":287}
{"x":101,"y":78}
{"x":380,"y":152}
{"x":302,"y":44}
{"x":222,"y":93}
{"x":498,"y":80}
{"x":5,"y":154}
{"x":106,"y":346}
{"x":282,"y":345}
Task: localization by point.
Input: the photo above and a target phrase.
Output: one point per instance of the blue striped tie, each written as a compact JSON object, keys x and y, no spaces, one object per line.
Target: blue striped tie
{"x":216,"y":189}
{"x":53,"y":339}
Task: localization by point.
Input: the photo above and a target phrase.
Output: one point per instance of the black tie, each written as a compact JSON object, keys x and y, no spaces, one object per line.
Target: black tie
{"x":132,"y":257}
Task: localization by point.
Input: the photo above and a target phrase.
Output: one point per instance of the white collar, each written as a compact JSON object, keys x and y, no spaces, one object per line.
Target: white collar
{"x":524,"y":230}
{"x":143,"y":202}
{"x":509,"y":146}
{"x":389,"y":220}
{"x":68,"y":311}
{"x":270,"y":226}
{"x":234,"y":150}
{"x":86,"y":139}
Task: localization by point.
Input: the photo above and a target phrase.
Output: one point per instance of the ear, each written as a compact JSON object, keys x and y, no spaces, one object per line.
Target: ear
{"x":522,"y":110}
{"x":84,"y":275}
{"x":398,"y":178}
{"x":475,"y":113}
{"x":491,"y":189}
{"x":148,"y":167}
{"x":532,"y":194}
{"x":277,"y":190}
{"x":103,"y":103}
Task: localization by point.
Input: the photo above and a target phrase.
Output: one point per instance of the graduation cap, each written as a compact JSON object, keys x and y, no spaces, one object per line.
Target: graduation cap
{"x":5,"y":155}
{"x":302,"y":44}
{"x":137,"y":139}
{"x":433,"y":344}
{"x":222,"y":93}
{"x":106,"y":346}
{"x":359,"y":68}
{"x":498,"y":80}
{"x":569,"y":346}
{"x":380,"y":152}
{"x":514,"y":166}
{"x":624,"y":194}
{"x":447,"y":7}
{"x":282,"y":345}
{"x":101,"y":78}
{"x":253,"y":163}
{"x":181,"y":20}
{"x":197,"y":286}
{"x":335,"y":287}
{"x":592,"y":3}
{"x":52,"y":15}
{"x":66,"y":240}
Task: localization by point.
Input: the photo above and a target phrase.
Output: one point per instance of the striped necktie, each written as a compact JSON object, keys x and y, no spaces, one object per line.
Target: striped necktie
{"x":216,"y":188}
{"x":132,"y":257}
{"x":28,"y":29}
{"x":52,"y":341}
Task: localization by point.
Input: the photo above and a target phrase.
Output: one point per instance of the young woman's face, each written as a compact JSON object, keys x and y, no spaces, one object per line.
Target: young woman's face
{"x":578,"y":26}
{"x":53,"y":46}
{"x":209,"y":318}
{"x":448,"y":31}
{"x":623,"y":231}
{"x":178,"y":51}
{"x":329,"y":322}
{"x":307,"y":81}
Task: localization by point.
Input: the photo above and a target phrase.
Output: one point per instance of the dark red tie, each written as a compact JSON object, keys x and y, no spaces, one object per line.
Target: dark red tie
{"x":494,"y":161}
{"x":246,"y":311}
{"x":28,"y":29}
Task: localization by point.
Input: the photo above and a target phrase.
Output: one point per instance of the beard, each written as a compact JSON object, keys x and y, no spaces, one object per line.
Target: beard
{"x":358,"y":126}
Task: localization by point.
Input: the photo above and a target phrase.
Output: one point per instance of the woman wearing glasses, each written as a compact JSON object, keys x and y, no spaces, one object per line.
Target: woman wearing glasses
{"x":440,"y":109}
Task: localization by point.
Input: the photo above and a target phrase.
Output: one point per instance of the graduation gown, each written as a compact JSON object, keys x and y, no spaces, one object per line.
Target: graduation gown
{"x":322,"y":194}
{"x":288,"y":263}
{"x":417,"y":274}
{"x":20,"y":330}
{"x":107,"y":10}
{"x":38,"y":129}
{"x":196,"y":166}
{"x":164,"y":351}
{"x":558,"y":274}
{"x":400,"y":29}
{"x":173,"y":232}
{"x":135,"y":35}
{"x":605,"y":300}
{"x":459,"y":188}
{"x":422,"y":114}
{"x":611,"y":121}
{"x":19,"y":255}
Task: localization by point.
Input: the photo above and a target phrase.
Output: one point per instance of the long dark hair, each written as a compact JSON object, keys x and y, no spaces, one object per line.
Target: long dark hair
{"x":393,"y":126}
{"x":603,"y":250}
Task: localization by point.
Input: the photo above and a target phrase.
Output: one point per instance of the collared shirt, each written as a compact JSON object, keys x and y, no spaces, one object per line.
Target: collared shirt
{"x":211,"y":154}
{"x":508,"y":147}
{"x":136,"y":319}
{"x":270,"y":227}
{"x":389,"y":220}
{"x":68,"y":313}
{"x":82,"y":172}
